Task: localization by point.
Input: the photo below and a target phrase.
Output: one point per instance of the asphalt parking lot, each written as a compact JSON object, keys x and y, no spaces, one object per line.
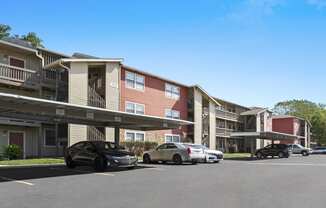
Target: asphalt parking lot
{"x":293,"y":182}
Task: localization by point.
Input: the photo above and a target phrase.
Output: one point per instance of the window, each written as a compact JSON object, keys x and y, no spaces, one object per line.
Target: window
{"x":169,"y":113}
{"x":172,"y":91}
{"x":16,"y":62}
{"x":172,"y":138}
{"x":135,"y":81}
{"x":135,"y":136}
{"x":135,"y":108}
{"x":49,"y":137}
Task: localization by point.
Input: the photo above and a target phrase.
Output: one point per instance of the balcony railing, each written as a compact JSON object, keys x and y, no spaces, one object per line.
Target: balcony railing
{"x":17,"y":74}
{"x":227,"y":115}
{"x":223,"y":132}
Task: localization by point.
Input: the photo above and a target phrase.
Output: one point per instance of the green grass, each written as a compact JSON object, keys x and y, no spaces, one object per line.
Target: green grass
{"x":38,"y":161}
{"x":236,"y":155}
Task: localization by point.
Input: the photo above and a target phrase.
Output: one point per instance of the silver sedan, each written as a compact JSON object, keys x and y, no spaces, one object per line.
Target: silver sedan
{"x":174,"y":152}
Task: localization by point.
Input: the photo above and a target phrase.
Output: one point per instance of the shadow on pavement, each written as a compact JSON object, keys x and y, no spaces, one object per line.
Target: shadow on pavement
{"x":26,"y":173}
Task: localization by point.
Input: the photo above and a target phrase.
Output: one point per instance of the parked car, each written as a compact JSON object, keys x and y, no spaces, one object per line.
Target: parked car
{"x":100,"y":155}
{"x":280,"y":150}
{"x":319,"y":150}
{"x":299,"y":149}
{"x":210,"y":155}
{"x":174,"y":152}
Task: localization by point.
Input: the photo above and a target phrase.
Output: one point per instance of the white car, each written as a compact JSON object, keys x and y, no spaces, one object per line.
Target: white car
{"x":210,"y":155}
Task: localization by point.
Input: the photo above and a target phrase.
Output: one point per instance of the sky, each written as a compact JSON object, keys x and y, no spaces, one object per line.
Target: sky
{"x":252,"y":52}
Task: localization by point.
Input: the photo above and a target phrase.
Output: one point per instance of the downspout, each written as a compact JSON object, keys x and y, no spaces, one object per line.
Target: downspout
{"x":40,"y":132}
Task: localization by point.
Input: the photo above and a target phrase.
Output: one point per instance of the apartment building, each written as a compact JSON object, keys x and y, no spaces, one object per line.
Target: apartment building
{"x":145,"y":93}
{"x":22,"y":73}
{"x":293,"y":125}
{"x":134,"y":98}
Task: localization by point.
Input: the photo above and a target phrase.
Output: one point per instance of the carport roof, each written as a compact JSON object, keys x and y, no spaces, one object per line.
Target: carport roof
{"x":41,"y":110}
{"x":268,"y":135}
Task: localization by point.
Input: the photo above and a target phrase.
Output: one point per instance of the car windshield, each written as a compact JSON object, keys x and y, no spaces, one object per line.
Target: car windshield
{"x":299,"y":146}
{"x":108,"y":146}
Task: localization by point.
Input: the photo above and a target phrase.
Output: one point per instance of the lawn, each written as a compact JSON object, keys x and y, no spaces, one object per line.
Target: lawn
{"x":236,"y":155}
{"x":38,"y":161}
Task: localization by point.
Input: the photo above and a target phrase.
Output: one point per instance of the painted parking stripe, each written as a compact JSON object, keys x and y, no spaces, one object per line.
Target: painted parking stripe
{"x":83,"y":171}
{"x":16,"y":181}
{"x":289,"y":164}
{"x":157,"y":169}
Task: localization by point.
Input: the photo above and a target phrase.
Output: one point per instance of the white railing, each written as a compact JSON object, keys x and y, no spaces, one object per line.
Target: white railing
{"x":94,"y":99}
{"x":227,"y":115}
{"x":223,"y":131}
{"x":17,"y":74}
{"x":93,"y":134}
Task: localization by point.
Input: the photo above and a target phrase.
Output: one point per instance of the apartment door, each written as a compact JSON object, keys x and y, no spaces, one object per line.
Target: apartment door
{"x":17,"y":138}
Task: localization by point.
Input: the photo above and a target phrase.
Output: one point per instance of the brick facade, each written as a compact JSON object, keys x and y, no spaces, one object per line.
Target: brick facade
{"x":155,"y":101}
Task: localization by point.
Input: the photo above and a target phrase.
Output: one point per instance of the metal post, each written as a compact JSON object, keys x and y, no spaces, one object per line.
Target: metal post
{"x":56,"y":124}
{"x":116,"y":135}
{"x":252,"y":151}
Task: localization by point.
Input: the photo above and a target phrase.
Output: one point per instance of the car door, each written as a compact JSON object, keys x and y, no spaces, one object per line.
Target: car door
{"x":75,"y":152}
{"x":267,"y":150}
{"x":296,"y":149}
{"x":171,"y":149}
{"x":158,"y":153}
{"x":88,"y":153}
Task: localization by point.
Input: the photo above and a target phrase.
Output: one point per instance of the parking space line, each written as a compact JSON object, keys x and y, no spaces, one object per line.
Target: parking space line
{"x":288,"y":164}
{"x":16,"y":181}
{"x":157,"y":169}
{"x":83,"y":171}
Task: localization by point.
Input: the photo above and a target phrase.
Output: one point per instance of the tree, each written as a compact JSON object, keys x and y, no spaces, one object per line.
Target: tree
{"x":4,"y":31}
{"x":33,"y":39}
{"x":315,"y":113}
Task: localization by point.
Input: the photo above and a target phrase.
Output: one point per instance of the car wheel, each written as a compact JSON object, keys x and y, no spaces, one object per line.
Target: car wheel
{"x":177,"y":159}
{"x":217,"y":161}
{"x":305,"y":153}
{"x":100,"y":164}
{"x":131,"y":168}
{"x":70,"y":163}
{"x":194,"y":162}
{"x":147,"y":159}
{"x":281,"y":154}
{"x":260,"y":155}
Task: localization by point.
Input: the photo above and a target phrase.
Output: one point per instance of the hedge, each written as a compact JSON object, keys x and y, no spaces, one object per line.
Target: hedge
{"x":138,"y":147}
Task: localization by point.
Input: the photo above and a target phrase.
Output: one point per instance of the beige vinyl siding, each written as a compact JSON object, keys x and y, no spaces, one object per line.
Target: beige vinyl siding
{"x":32,"y":62}
{"x":31,"y":137}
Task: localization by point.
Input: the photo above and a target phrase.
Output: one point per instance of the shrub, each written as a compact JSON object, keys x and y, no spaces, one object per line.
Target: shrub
{"x":138,"y":147}
{"x":12,"y":152}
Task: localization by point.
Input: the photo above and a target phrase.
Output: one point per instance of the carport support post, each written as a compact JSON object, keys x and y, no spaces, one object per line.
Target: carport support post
{"x":252,"y":151}
{"x":116,"y":135}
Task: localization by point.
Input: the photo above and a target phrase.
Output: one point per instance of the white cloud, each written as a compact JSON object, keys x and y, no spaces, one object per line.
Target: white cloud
{"x":318,"y":3}
{"x":252,"y":11}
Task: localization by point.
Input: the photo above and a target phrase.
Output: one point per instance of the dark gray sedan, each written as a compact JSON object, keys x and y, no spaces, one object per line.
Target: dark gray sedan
{"x":100,"y":155}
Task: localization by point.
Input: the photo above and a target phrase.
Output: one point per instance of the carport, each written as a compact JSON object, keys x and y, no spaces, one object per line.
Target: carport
{"x":41,"y":110}
{"x":268,"y":135}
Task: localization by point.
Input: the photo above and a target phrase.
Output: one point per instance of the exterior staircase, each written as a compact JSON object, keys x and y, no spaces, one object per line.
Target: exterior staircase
{"x":94,"y":134}
{"x":95,"y":99}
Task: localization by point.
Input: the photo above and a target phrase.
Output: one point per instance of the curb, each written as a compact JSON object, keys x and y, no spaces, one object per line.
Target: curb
{"x":31,"y":165}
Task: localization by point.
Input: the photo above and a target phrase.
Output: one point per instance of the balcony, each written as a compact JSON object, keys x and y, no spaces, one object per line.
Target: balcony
{"x":227,"y":115}
{"x":18,"y":76}
{"x":49,"y":78}
{"x":223,"y":132}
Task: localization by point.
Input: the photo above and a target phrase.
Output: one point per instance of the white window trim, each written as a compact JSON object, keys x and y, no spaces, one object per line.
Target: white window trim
{"x":169,"y":109}
{"x":24,"y":140}
{"x":134,"y":88}
{"x":44,"y":142}
{"x":172,"y":135}
{"x":135,"y":104}
{"x":9,"y":57}
{"x":134,"y":132}
{"x":171,"y":97}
